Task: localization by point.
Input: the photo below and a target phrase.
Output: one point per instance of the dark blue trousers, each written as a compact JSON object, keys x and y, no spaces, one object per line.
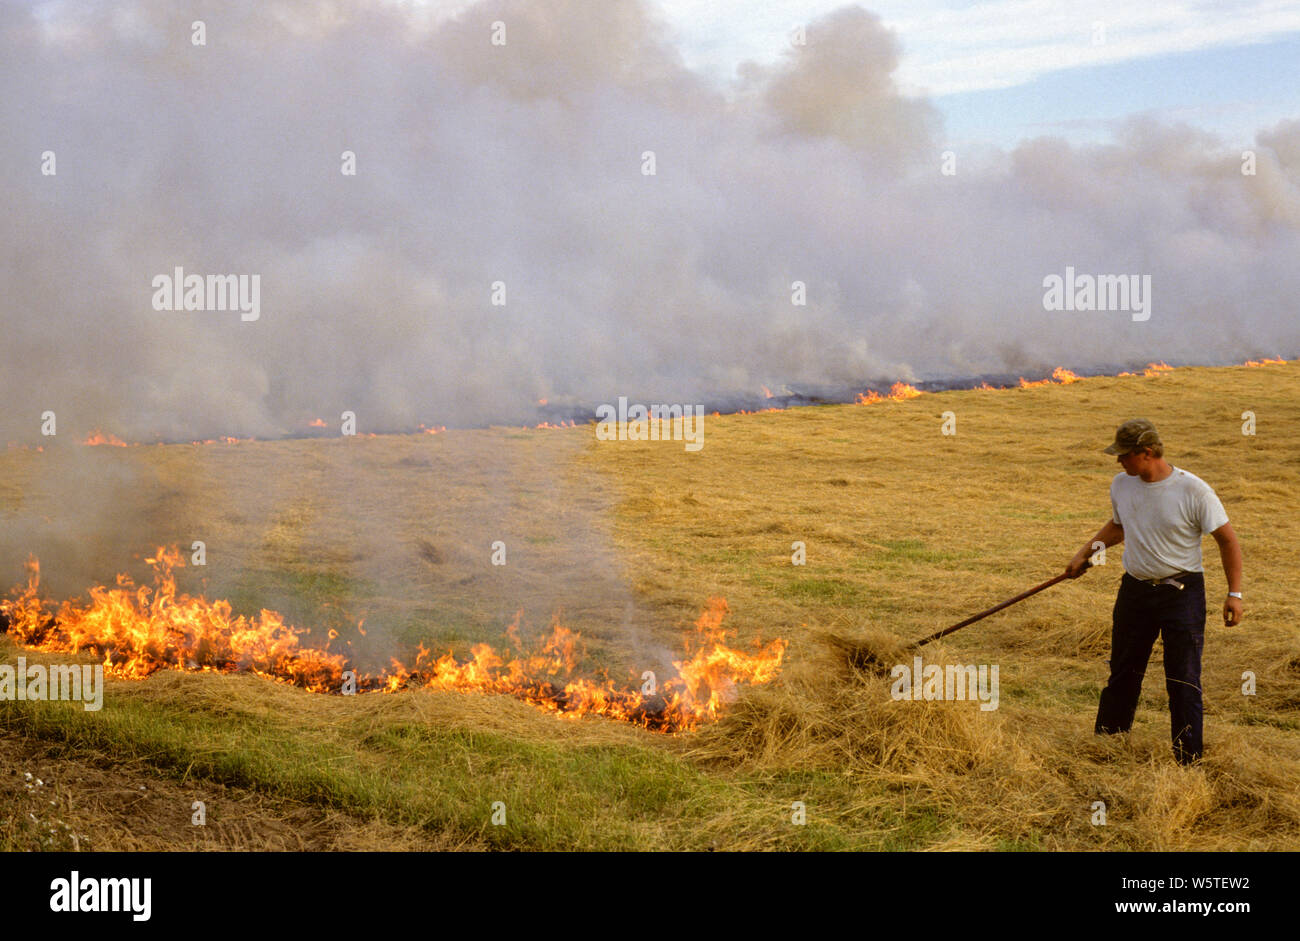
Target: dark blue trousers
{"x":1142,"y":613}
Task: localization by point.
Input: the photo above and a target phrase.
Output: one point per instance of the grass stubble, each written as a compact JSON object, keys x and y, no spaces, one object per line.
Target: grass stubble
{"x":905,"y":530}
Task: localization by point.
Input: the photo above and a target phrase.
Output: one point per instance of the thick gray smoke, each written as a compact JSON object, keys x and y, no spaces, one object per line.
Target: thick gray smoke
{"x":523,"y":163}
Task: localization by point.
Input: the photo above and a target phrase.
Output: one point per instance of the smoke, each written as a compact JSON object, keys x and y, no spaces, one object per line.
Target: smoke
{"x":523,"y":164}
{"x":79,"y":510}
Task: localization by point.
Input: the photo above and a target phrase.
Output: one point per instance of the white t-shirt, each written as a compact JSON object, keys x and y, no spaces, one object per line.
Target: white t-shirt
{"x":1164,"y":521}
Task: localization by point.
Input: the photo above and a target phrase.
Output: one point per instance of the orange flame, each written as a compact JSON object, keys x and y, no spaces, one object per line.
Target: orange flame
{"x":1266,"y":362}
{"x":1060,"y":376}
{"x":897,"y":393}
{"x":1156,"y":369}
{"x":139,"y":630}
{"x":767,"y":393}
{"x":98,"y":437}
{"x":316,"y":423}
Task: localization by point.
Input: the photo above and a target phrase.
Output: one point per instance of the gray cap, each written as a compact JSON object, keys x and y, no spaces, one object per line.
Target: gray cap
{"x":1133,"y":434}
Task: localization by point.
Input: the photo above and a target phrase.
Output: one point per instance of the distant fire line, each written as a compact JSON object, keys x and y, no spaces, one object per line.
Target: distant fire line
{"x":900,"y":391}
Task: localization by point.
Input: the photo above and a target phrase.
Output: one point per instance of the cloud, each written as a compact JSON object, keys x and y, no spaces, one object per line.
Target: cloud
{"x":1012,"y":42}
{"x":954,"y":46}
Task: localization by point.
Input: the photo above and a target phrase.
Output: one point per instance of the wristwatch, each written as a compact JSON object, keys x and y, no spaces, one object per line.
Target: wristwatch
{"x":1234,"y":594}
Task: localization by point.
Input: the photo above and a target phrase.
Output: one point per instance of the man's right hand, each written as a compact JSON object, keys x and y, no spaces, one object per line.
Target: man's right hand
{"x":1109,"y":535}
{"x":1078,"y":565}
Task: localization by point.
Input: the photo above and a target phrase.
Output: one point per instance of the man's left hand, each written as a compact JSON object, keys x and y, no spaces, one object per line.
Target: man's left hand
{"x":1232,"y":612}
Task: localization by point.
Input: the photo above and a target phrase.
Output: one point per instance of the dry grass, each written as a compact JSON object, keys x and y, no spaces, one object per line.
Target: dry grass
{"x":906,"y":531}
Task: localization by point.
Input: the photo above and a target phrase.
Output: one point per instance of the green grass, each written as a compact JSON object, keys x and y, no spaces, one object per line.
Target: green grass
{"x":556,"y":794}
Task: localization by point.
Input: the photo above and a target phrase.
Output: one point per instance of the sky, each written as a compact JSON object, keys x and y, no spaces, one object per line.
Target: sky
{"x":1003,"y":71}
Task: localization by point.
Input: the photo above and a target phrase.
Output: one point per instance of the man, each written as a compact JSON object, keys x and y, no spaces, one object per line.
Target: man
{"x":1160,"y":512}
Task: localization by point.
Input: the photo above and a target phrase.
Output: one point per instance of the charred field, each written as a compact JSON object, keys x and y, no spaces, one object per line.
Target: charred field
{"x":377,"y":548}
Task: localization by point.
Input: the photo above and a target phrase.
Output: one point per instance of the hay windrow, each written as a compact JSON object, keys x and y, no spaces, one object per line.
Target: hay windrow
{"x":1008,"y":776}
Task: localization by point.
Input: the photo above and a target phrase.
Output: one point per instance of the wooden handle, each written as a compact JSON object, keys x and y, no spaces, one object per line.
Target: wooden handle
{"x":996,"y":608}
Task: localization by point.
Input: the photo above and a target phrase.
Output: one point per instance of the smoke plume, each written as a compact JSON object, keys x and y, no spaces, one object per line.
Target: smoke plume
{"x":524,"y":163}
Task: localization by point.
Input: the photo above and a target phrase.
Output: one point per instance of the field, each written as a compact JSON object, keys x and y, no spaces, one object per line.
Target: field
{"x":906,"y":530}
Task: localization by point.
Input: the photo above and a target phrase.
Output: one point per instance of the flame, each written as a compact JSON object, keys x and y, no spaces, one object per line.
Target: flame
{"x":1157,"y":369}
{"x":435,"y":430}
{"x":563,"y":423}
{"x":1266,"y":362}
{"x":541,"y":401}
{"x":1060,"y":376}
{"x":713,"y":671}
{"x":897,"y":393}
{"x":97,"y":437}
{"x":316,"y":423}
{"x":139,"y":630}
{"x":767,"y":393}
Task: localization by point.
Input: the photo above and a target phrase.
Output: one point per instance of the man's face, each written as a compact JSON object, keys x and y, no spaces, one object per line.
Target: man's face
{"x":1134,"y":462}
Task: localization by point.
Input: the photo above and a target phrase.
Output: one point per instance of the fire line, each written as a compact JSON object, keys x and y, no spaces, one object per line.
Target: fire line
{"x":139,"y":630}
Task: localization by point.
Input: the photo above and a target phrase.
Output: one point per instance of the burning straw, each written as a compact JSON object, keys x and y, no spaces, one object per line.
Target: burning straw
{"x":139,"y":630}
